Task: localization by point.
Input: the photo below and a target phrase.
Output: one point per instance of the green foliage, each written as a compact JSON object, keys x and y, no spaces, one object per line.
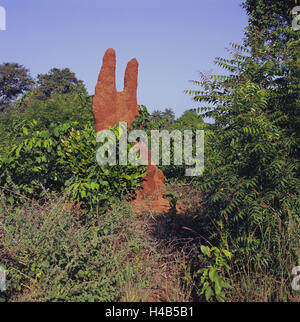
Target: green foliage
{"x":96,"y":183}
{"x":142,"y":120}
{"x":173,"y":197}
{"x":14,"y":80}
{"x":251,"y":180}
{"x":268,"y":19}
{"x":59,"y":108}
{"x":212,"y":285}
{"x":64,"y":156}
{"x":189,"y":120}
{"x":51,"y":255}
{"x":59,"y":81}
{"x":145,"y":120}
{"x":155,"y":121}
{"x":163,"y":119}
{"x":9,"y":133}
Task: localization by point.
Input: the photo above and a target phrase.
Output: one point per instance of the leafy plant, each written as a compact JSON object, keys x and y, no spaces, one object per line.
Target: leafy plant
{"x":251,"y":182}
{"x":51,"y":255}
{"x":212,"y":284}
{"x":64,"y":156}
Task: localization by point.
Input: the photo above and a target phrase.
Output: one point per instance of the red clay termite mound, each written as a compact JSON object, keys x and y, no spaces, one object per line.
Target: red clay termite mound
{"x":111,"y":107}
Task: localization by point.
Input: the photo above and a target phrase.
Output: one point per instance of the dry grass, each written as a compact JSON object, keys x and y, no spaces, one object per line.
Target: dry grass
{"x":164,"y":267}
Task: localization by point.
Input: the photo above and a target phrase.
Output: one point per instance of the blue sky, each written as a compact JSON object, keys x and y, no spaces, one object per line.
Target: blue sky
{"x":171,"y":39}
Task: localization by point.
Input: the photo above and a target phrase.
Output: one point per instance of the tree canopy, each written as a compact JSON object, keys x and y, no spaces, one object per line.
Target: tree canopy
{"x":15,"y":80}
{"x":59,"y":81}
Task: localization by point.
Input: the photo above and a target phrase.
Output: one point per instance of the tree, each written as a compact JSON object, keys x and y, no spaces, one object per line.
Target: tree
{"x":58,"y":97}
{"x":14,"y":81}
{"x":251,"y":186}
{"x":189,"y":120}
{"x":169,"y":115}
{"x":59,"y":81}
{"x":163,"y":118}
{"x":267,"y":18}
{"x":272,"y":41}
{"x":59,"y":108}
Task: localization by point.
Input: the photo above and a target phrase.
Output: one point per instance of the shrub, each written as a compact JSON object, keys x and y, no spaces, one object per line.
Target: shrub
{"x":51,"y":255}
{"x":251,"y":183}
{"x":64,"y":156}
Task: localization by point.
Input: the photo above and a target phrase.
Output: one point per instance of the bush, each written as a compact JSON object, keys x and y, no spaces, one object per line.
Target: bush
{"x":251,"y":183}
{"x":64,"y":156}
{"x":59,"y":108}
{"x":50,"y":255}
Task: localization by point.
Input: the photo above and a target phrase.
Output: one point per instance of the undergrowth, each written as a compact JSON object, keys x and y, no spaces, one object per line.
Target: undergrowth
{"x":51,"y":252}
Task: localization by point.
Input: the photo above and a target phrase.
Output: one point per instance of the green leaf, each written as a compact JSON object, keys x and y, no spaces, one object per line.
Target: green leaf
{"x":212,"y":273}
{"x":218,"y":286}
{"x":205,"y":250}
{"x":227,"y":253}
{"x":208,"y":293}
{"x":25,"y":131}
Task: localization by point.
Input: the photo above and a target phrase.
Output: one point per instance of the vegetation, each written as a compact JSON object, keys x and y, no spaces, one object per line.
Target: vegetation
{"x":14,"y":80}
{"x":52,"y":254}
{"x":58,"y":81}
{"x":64,"y":156}
{"x":252,"y":182}
{"x":67,"y":232}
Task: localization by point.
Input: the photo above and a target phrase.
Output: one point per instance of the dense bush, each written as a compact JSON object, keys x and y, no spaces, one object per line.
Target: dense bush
{"x":59,"y":109}
{"x":251,"y":183}
{"x":51,"y":255}
{"x":64,"y":156}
